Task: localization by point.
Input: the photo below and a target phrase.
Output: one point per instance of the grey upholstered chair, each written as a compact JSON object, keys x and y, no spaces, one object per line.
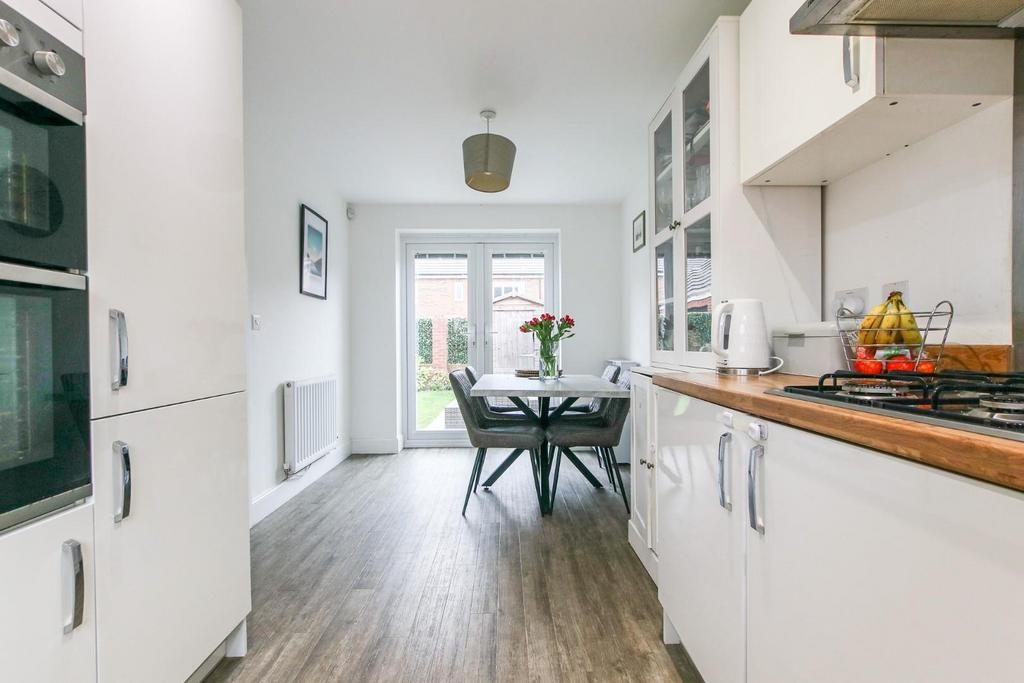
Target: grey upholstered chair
{"x":610,"y":374}
{"x":601,"y":431}
{"x":487,"y":431}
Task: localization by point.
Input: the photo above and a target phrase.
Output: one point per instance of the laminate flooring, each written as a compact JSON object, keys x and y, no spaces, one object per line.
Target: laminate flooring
{"x":372,"y":574}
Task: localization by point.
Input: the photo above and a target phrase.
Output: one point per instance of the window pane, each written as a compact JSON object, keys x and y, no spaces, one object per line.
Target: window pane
{"x":698,"y":286}
{"x":442,"y":336}
{"x":663,"y":175}
{"x":664,"y":301}
{"x":517,"y":281}
{"x":697,"y":136}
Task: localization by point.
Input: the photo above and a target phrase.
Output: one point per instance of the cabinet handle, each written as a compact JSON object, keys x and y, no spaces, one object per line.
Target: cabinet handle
{"x":723,"y":500}
{"x":119,"y":343}
{"x":122,"y":481}
{"x":650,"y":465}
{"x":756,"y":523}
{"x":73,"y":575}
{"x":643,"y":462}
{"x":851,"y":66}
{"x":673,"y":225}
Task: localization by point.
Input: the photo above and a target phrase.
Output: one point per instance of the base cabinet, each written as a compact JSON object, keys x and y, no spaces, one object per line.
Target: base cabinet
{"x":39,"y":638}
{"x":836,"y":563}
{"x":643,"y":474}
{"x":173,"y":574}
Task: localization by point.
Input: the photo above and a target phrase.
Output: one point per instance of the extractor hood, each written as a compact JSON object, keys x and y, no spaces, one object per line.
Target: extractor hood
{"x":911,"y":18}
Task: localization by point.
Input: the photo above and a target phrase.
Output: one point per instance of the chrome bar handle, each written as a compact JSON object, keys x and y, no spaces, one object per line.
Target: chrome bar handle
{"x":73,"y":576}
{"x":120,"y":350}
{"x":851,"y":65}
{"x":122,"y":481}
{"x":756,"y":522}
{"x":723,"y":500}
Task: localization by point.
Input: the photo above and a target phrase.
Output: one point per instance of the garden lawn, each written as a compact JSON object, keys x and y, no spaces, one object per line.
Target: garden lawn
{"x":430,"y":404}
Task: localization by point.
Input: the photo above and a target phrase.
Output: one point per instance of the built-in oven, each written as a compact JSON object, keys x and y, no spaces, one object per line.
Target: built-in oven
{"x":42,"y":147}
{"x":44,"y":392}
{"x":44,"y":308}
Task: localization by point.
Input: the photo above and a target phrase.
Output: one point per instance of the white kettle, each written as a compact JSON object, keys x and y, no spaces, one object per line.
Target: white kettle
{"x":741,"y":339}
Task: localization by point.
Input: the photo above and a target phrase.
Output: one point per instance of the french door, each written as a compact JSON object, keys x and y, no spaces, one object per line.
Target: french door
{"x":464,"y":303}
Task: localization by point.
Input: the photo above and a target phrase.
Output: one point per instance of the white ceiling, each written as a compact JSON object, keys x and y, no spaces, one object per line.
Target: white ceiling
{"x":388,"y":89}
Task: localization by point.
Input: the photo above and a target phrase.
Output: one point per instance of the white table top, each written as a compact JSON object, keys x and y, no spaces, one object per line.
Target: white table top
{"x":577,"y":386}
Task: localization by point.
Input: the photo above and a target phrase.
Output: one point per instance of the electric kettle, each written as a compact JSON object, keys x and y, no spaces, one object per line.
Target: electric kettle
{"x":741,"y":339}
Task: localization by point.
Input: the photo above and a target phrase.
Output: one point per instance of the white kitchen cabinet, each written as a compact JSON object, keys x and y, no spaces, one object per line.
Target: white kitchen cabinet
{"x":872,"y":568}
{"x":39,"y":640}
{"x":165,"y":200}
{"x":701,"y":511}
{"x":711,"y":238}
{"x":642,"y":495}
{"x":70,"y":10}
{"x":802,"y":123}
{"x":172,"y":576}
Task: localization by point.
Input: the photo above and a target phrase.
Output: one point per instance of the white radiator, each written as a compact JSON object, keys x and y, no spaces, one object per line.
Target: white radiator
{"x":310,"y":421}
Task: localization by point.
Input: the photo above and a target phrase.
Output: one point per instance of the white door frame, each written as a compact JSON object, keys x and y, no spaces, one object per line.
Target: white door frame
{"x":480,"y":247}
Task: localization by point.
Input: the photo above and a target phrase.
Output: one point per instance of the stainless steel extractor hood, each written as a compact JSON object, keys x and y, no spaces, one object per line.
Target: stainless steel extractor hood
{"x":911,"y":18}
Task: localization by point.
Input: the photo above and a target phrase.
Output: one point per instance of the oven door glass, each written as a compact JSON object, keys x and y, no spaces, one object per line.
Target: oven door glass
{"x":44,"y":399}
{"x":42,"y":186}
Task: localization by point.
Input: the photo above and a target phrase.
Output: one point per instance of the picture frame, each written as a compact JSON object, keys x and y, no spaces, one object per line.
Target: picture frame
{"x":640,"y":231}
{"x":312,"y":253}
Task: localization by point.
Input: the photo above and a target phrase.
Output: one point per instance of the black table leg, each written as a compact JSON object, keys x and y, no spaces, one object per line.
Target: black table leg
{"x":545,"y":471}
{"x":500,"y":469}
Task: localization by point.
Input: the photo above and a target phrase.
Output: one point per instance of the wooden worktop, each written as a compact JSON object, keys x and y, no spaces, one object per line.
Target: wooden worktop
{"x":988,"y":458}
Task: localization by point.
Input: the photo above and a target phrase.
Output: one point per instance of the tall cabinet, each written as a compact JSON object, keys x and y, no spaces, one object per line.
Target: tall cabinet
{"x":167,"y":306}
{"x":712,"y":238}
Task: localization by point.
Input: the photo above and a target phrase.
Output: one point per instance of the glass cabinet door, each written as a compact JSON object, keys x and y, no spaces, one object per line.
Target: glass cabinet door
{"x":664,"y":300}
{"x":698,"y":286}
{"x":697,"y":139}
{"x":662,"y":161}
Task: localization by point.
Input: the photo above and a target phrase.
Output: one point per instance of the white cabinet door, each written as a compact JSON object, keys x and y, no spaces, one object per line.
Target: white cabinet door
{"x":701,"y":551}
{"x":173,"y":575}
{"x":873,"y":568}
{"x":639,"y":497}
{"x":165,"y":191}
{"x":37,"y":595}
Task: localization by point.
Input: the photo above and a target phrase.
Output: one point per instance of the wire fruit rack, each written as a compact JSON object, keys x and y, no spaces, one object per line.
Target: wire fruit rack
{"x":932,"y":325}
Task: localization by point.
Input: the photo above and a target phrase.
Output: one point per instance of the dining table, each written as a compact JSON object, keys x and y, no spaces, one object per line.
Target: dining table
{"x":564,"y":391}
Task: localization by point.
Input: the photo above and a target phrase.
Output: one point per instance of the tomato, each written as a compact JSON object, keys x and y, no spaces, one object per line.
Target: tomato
{"x":927,"y":366}
{"x":868,"y":367}
{"x":863,"y":353}
{"x":900,"y":365}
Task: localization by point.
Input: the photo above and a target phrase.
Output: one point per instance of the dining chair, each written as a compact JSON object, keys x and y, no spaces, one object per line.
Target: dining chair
{"x":490,"y":430}
{"x":601,"y":431}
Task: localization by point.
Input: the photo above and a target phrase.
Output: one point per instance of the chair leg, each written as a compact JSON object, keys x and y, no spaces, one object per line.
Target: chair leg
{"x":608,"y":468}
{"x":480,"y":468}
{"x":535,"y":468}
{"x":554,"y":484}
{"x":477,"y":464}
{"x":600,"y":457}
{"x":618,"y":475}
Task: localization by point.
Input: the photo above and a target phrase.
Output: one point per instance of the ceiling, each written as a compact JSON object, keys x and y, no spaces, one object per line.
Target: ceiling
{"x":388,"y":89}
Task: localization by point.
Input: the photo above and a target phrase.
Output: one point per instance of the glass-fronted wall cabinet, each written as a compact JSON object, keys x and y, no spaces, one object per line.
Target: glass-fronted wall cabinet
{"x":697,"y":138}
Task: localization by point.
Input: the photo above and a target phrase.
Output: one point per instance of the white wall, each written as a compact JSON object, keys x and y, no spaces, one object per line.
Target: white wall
{"x":590,"y":244}
{"x":636,"y":280}
{"x":301,"y":337}
{"x":937,"y":214}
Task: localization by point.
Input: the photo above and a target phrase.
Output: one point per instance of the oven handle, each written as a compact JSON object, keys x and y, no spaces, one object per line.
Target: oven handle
{"x":120,"y":357}
{"x":27,"y":275}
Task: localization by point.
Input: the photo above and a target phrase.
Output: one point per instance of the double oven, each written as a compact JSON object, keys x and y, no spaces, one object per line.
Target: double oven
{"x":44,"y":325}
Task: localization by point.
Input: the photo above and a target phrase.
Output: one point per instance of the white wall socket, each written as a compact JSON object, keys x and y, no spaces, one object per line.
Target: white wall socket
{"x":901,"y":286}
{"x":854,"y":299}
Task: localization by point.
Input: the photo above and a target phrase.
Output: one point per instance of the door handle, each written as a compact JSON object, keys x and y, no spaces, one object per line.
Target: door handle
{"x":122,"y":481}
{"x":73,"y":576}
{"x":851,"y":65}
{"x":723,"y":500}
{"x":119,"y":348}
{"x":756,"y":522}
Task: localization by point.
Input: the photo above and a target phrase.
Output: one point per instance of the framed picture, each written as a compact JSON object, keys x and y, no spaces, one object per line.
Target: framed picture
{"x":639,"y":231}
{"x":313,"y":255}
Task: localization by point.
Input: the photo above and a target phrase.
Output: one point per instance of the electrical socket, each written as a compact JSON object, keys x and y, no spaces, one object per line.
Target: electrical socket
{"x":850,"y":295}
{"x":900,"y":286}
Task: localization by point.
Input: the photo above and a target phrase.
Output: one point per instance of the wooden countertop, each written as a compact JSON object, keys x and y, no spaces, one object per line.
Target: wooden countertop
{"x":988,"y":458}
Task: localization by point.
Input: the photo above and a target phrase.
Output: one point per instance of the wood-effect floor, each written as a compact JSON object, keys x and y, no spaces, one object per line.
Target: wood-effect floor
{"x":372,"y":574}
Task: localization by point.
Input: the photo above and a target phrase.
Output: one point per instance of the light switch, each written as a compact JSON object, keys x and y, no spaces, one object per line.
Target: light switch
{"x":257,"y":323}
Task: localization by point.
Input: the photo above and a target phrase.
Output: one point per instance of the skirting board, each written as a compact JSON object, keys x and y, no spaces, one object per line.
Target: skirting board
{"x":365,"y":446}
{"x":270,"y":500}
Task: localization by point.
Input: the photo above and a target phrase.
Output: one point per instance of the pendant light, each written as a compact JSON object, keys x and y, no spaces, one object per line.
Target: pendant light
{"x":488,"y":158}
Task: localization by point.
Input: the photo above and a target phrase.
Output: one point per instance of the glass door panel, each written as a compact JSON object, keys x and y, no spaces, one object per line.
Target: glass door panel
{"x":442,"y":334}
{"x":518,"y":292}
{"x":697,"y":139}
{"x":698,"y":286}
{"x":664,"y":302}
{"x":663,"y":204}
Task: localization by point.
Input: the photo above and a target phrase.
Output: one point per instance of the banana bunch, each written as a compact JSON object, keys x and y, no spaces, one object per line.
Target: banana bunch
{"x":890,"y":322}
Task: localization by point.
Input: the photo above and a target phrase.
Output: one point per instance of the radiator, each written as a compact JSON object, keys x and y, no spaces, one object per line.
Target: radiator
{"x":310,"y":421}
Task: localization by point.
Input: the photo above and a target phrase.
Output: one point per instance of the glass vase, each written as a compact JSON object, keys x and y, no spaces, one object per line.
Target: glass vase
{"x":548,"y":361}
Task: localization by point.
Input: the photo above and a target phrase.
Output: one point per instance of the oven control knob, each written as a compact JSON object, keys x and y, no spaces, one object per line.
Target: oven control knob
{"x":8,"y":34}
{"x":49,"y":62}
